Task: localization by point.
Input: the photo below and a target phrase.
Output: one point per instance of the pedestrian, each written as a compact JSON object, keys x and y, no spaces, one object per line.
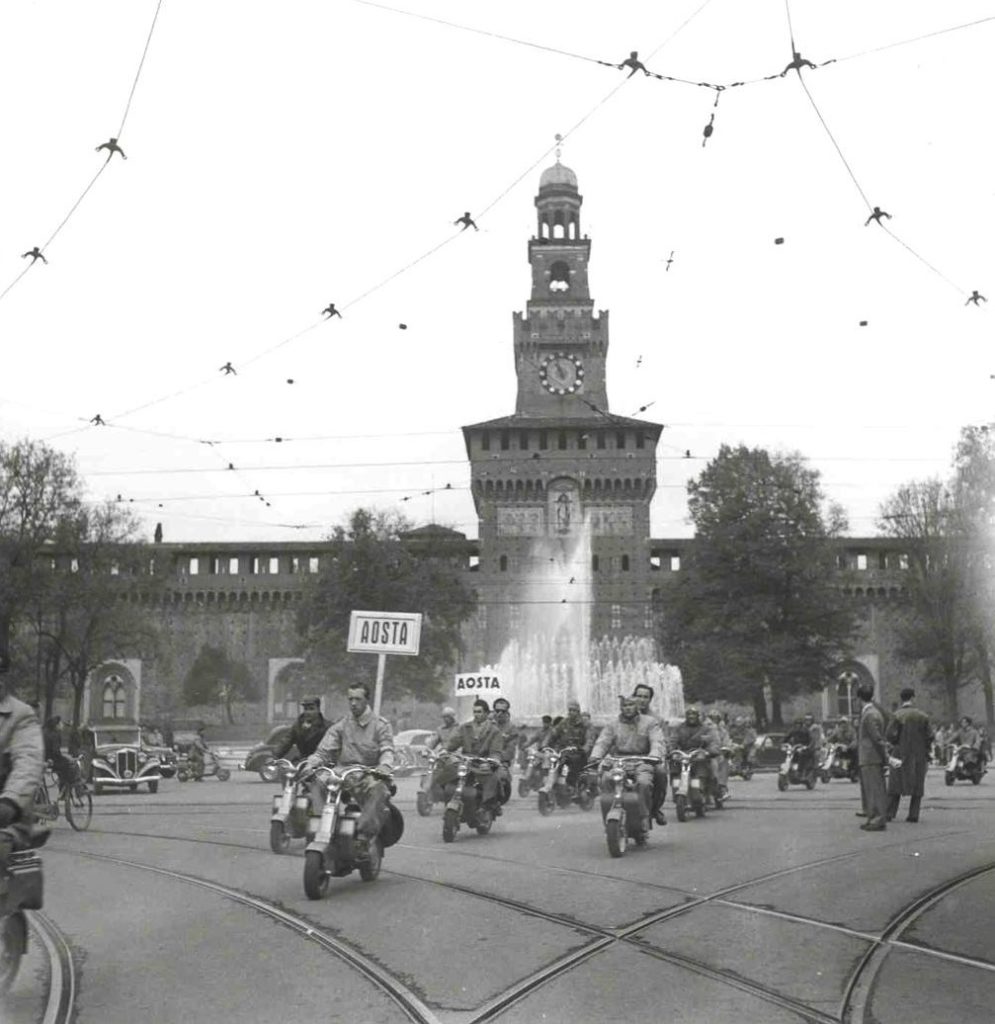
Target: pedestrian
{"x":36,"y":254}
{"x":112,"y":147}
{"x":910,"y":735}
{"x":872,"y":755}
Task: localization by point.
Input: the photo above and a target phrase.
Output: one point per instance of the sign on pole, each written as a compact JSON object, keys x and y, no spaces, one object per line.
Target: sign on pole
{"x":477,"y":684}
{"x":383,"y":633}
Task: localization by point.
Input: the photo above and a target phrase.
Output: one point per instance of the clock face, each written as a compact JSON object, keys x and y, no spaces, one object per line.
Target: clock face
{"x":561,"y":374}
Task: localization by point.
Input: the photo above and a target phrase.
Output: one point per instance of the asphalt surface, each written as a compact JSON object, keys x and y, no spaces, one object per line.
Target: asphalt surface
{"x":778,"y":908}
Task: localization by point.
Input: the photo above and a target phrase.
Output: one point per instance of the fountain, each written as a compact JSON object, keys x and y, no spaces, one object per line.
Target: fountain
{"x":553,"y":658}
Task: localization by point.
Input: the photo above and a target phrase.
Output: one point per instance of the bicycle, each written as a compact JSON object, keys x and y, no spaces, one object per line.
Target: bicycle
{"x":75,"y":796}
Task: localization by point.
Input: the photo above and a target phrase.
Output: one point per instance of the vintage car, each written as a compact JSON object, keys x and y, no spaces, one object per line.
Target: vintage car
{"x":117,"y":758}
{"x":258,"y":758}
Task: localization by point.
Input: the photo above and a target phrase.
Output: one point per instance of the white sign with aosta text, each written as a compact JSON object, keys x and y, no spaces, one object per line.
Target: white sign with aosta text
{"x":474,"y":684}
{"x":384,"y":632}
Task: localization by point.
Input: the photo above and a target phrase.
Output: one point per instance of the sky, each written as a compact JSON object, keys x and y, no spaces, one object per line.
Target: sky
{"x":284,"y":155}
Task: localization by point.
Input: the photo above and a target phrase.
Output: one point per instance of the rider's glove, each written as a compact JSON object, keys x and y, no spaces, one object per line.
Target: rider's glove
{"x":9,"y":813}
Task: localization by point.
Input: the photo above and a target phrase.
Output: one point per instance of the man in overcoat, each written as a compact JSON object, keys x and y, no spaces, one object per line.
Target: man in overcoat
{"x":910,"y":736}
{"x":872,"y":755}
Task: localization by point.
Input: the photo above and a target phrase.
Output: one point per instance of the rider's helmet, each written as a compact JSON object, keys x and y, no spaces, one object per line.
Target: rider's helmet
{"x":692,"y":716}
{"x":449,"y":713}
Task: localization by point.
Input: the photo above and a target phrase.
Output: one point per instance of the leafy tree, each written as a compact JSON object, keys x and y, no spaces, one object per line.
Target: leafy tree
{"x":83,"y":610}
{"x":947,"y":531}
{"x":39,"y":488}
{"x":372,"y":565}
{"x":756,"y":606}
{"x":214,"y":678}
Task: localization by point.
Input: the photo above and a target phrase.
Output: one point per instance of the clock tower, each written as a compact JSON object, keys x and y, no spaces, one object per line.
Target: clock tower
{"x":562,"y":487}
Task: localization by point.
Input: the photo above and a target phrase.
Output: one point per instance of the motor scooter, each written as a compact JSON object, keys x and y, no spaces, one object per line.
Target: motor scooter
{"x":791,"y":771}
{"x":556,"y":789}
{"x":291,"y":808}
{"x":965,"y":763}
{"x":738,"y":762}
{"x":622,"y":806}
{"x":21,"y":889}
{"x":840,"y":762}
{"x":425,"y":798}
{"x":537,"y":765}
{"x":190,"y":769}
{"x":466,"y":804}
{"x":332,"y":851}
{"x":691,"y":783}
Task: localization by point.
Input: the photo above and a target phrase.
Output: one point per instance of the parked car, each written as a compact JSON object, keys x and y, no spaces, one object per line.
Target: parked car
{"x":117,"y":758}
{"x":259,"y":756}
{"x":767,"y":752}
{"x":410,"y":752}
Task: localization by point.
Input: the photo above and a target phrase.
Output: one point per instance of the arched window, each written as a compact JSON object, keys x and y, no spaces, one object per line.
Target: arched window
{"x":115,"y":698}
{"x":559,"y":277}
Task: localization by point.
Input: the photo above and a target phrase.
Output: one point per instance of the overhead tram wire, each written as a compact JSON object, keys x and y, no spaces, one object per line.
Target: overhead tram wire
{"x":849,"y":169}
{"x":127,"y":107}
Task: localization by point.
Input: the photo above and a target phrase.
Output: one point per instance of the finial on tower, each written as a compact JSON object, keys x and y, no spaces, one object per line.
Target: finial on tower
{"x":559,"y":146}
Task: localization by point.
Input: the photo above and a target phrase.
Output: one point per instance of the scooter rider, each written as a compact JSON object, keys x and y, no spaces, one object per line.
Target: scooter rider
{"x":742,"y":733}
{"x":643,"y":693}
{"x":306,"y":732}
{"x":477,"y":738}
{"x":508,"y":734}
{"x":441,"y":735}
{"x":195,"y":755}
{"x":22,"y":764}
{"x":358,"y":738}
{"x":572,"y":732}
{"x":633,"y":734}
{"x":801,"y":736}
{"x":693,"y":734}
{"x":721,"y":763}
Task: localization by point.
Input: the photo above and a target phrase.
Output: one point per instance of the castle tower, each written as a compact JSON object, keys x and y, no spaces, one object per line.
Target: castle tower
{"x":562,"y":466}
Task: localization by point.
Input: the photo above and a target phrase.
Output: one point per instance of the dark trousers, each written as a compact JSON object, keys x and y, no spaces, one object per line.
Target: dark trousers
{"x":874,"y":794}
{"x":914,"y":802}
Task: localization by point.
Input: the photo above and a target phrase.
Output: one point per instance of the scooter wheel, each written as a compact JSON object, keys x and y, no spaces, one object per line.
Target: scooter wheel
{"x":810,"y":782}
{"x":315,"y":876}
{"x":586,"y":799}
{"x":747,"y":774}
{"x":450,"y":823}
{"x":699,"y":809}
{"x":681,"y":807}
{"x":279,"y":841}
{"x":949,"y":778}
{"x":545,"y":804}
{"x":615,"y":834}
{"x":782,"y":783}
{"x":825,"y":778}
{"x":523,"y":787}
{"x":424,"y":803}
{"x":223,"y":775}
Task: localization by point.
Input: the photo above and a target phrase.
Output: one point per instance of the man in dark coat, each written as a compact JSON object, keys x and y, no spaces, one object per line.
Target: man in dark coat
{"x":872,"y":755}
{"x":306,"y":733}
{"x":910,"y":736}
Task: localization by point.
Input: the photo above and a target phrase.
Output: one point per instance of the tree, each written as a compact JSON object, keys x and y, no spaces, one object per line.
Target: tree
{"x":83,"y":610}
{"x":39,"y":488}
{"x":214,"y":678}
{"x":757,"y":606}
{"x":372,"y":565}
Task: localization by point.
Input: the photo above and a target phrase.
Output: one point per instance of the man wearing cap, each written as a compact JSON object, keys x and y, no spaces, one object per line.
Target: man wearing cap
{"x":306,"y":733}
{"x":572,"y":732}
{"x":441,"y":735}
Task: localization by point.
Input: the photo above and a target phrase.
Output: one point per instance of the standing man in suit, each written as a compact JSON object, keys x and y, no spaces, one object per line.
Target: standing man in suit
{"x":910,"y":735}
{"x":872,"y":756}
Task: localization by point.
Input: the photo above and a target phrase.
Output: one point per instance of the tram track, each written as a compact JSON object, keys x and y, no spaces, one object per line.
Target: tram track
{"x":600,"y":938}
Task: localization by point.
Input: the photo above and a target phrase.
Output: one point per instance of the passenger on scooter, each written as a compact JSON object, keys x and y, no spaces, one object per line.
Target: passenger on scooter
{"x":508,"y":734}
{"x":440,"y":737}
{"x":477,"y":738}
{"x":572,"y":732}
{"x":22,"y":764}
{"x":643,"y":693}
{"x":306,"y":733}
{"x":358,"y":738}
{"x":633,"y":734}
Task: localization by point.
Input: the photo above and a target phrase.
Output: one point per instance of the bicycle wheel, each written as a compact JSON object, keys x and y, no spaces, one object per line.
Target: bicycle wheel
{"x":79,"y":807}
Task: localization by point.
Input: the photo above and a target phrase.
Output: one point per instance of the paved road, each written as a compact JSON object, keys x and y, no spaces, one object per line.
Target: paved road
{"x":777,"y":909}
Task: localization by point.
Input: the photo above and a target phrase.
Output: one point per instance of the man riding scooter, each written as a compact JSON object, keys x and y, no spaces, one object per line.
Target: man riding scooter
{"x":306,"y":733}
